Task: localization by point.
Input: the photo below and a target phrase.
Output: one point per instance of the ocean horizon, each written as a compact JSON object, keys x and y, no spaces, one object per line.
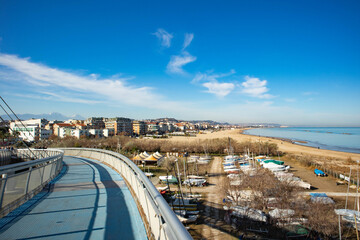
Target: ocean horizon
{"x":344,"y":139}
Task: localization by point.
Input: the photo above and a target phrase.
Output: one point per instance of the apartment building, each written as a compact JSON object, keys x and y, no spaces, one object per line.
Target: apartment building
{"x":95,"y":122}
{"x":139,"y":127}
{"x":120,"y":125}
{"x":59,"y":129}
{"x":152,"y":127}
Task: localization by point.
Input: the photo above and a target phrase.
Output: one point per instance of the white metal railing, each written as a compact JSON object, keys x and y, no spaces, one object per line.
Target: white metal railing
{"x":21,"y":181}
{"x":161,"y":220}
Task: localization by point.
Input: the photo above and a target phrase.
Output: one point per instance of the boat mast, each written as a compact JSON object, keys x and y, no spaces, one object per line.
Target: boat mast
{"x":347,"y":193}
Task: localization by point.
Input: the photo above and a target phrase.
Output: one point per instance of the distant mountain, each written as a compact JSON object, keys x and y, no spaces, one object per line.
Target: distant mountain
{"x":50,"y":117}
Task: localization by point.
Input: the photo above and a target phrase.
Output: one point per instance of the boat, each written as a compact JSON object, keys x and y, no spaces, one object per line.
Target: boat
{"x":195,"y":182}
{"x":168,"y":179}
{"x":229,"y":166}
{"x":275,"y":167}
{"x":228,"y":163}
{"x":187,"y":219}
{"x":193,"y":159}
{"x":203,"y":160}
{"x":232,"y":170}
{"x":278,"y":162}
{"x":319,"y":173}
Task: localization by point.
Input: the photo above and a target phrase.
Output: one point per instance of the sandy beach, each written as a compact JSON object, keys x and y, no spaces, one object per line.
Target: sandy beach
{"x":284,"y":146}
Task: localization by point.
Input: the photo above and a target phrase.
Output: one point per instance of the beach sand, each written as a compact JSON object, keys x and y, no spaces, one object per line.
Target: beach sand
{"x":284,"y":146}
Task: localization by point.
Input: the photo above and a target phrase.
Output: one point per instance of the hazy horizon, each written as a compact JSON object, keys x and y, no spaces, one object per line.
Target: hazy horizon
{"x":289,"y":63}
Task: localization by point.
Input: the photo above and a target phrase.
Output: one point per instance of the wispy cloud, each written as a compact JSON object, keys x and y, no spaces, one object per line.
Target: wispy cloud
{"x":254,"y":87}
{"x":178,"y":61}
{"x":210,"y":76}
{"x":188,"y":39}
{"x":164,"y":37}
{"x":49,"y":96}
{"x":48,"y":80}
{"x":219,"y":89}
{"x":210,"y":81}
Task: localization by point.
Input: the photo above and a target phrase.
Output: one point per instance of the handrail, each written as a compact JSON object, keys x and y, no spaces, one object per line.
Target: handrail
{"x":169,"y":224}
{"x":23,"y":165}
{"x":21,"y":181}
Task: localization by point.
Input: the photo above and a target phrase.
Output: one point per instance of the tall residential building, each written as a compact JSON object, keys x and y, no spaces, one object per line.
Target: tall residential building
{"x":139,"y":128}
{"x":95,"y":122}
{"x":120,"y":125}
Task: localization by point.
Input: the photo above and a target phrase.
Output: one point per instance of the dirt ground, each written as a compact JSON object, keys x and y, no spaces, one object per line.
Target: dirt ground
{"x":212,"y":225}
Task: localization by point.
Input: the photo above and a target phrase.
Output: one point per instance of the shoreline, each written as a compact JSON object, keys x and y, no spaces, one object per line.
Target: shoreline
{"x":299,"y":142}
{"x":284,"y":146}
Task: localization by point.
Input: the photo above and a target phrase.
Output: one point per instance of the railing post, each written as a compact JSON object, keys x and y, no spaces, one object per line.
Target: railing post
{"x":27,"y":181}
{"x":42,"y":174}
{"x":2,"y":189}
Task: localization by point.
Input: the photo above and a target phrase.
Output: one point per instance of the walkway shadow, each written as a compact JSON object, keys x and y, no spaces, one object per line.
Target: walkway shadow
{"x":118,"y":221}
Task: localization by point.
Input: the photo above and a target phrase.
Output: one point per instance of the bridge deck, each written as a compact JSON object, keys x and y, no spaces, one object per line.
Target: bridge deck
{"x":89,"y":200}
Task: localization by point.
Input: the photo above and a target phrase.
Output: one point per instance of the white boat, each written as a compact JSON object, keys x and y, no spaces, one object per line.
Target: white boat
{"x":230,"y":166}
{"x":187,"y":219}
{"x":195,"y":182}
{"x":232,"y":170}
{"x":275,"y":167}
{"x":202,"y":158}
{"x":250,"y":213}
{"x":193,"y":159}
{"x":168,"y":179}
{"x":231,"y":158}
{"x":184,"y":212}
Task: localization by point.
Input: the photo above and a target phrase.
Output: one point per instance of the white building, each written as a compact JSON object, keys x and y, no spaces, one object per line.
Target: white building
{"x":79,"y":133}
{"x":31,"y":130}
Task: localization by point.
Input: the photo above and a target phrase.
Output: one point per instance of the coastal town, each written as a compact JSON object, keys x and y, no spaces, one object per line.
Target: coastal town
{"x":31,"y":130}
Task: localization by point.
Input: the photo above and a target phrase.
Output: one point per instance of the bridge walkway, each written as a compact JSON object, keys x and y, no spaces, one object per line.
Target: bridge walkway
{"x":88,"y":200}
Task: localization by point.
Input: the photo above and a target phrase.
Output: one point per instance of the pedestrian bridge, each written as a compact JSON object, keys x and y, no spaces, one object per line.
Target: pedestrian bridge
{"x":86,"y":194}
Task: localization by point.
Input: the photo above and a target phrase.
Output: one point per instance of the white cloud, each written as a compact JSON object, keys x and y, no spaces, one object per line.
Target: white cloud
{"x":79,"y":88}
{"x":219,"y":89}
{"x":209,"y":76}
{"x":188,"y":39}
{"x":178,"y":61}
{"x":209,"y":80}
{"x":49,"y":96}
{"x":164,"y":37}
{"x":255,"y":88}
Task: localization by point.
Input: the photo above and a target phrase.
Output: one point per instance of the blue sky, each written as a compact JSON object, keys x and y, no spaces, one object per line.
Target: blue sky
{"x":288,"y":62}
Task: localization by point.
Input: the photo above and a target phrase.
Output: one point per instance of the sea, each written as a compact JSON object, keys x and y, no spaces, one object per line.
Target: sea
{"x":345,"y":139}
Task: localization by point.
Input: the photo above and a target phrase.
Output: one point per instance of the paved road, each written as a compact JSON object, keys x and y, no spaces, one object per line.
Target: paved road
{"x":89,"y":200}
